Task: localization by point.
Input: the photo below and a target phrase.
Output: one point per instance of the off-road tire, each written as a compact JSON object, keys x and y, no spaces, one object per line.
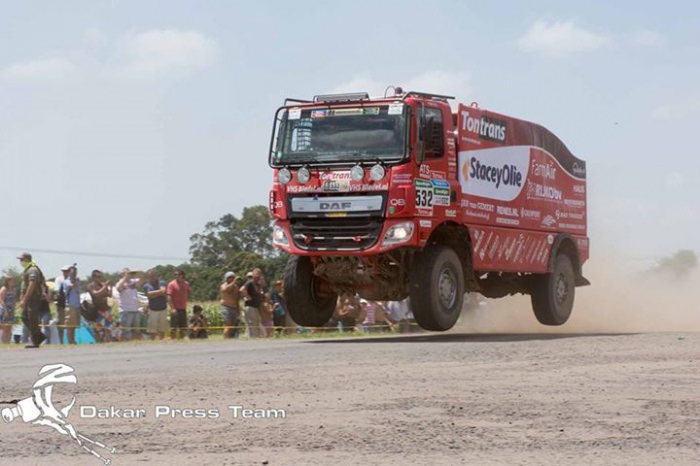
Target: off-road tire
{"x":437,"y":288}
{"x":553,"y":293}
{"x":306,"y":306}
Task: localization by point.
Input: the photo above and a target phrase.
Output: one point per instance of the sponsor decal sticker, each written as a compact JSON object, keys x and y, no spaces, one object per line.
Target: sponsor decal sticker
{"x":549,"y":221}
{"x":395,"y":109}
{"x":544,"y":170}
{"x":487,"y":128}
{"x":496,"y":173}
{"x":530,"y":214}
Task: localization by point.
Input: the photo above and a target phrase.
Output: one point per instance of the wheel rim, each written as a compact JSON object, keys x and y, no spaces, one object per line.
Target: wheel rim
{"x":561,"y":289}
{"x":447,"y":288}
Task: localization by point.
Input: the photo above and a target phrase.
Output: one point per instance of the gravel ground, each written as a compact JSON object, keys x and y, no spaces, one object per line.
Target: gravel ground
{"x":453,"y":398}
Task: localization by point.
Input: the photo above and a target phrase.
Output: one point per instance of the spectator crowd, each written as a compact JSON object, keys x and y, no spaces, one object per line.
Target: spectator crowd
{"x":143,"y":305}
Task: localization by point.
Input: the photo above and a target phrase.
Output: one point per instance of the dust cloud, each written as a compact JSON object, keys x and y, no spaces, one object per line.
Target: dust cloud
{"x":617,"y":301}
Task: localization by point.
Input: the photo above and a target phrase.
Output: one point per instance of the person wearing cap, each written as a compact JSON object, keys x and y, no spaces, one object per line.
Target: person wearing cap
{"x":253,"y":293}
{"x":60,"y":300}
{"x":157,"y":294}
{"x":230,"y":308}
{"x":31,"y":292}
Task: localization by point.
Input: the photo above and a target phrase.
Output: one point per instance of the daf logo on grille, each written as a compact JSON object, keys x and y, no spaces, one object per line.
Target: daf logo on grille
{"x":335,"y":205}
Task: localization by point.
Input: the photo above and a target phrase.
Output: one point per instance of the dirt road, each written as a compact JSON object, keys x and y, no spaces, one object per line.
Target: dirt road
{"x":452,"y":398}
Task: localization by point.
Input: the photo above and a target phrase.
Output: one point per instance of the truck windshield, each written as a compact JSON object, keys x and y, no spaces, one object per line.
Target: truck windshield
{"x":337,"y":135}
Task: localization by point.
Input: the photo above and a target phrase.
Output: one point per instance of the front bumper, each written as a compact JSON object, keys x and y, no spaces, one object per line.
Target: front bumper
{"x":348,"y":235}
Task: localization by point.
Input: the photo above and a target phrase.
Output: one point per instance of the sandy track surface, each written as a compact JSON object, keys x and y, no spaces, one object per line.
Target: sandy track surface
{"x":452,"y":398}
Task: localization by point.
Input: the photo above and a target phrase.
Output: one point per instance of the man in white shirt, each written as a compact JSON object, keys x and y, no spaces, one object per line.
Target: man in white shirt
{"x":129,"y":314}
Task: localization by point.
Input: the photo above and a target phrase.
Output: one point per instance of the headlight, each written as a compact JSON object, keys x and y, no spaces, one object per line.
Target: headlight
{"x":284,"y":176}
{"x":357,"y":173}
{"x":377,"y":172}
{"x":278,"y":236}
{"x":303,"y":175}
{"x":399,"y":233}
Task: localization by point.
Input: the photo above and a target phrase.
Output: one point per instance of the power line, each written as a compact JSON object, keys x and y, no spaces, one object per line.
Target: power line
{"x":93,"y":254}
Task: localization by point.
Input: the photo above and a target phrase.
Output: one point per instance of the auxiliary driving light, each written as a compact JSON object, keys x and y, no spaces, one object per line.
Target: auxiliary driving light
{"x":357,"y":173}
{"x":399,"y":233}
{"x":284,"y":176}
{"x":377,"y":172}
{"x":303,"y":175}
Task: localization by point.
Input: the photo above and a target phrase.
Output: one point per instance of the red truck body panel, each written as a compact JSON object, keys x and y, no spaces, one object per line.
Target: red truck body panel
{"x":520,"y":186}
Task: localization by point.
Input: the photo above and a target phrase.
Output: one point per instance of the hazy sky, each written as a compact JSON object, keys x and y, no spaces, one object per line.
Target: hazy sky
{"x":126,"y":125}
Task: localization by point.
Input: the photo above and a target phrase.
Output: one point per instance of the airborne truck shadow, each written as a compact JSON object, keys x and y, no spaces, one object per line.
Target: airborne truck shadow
{"x":465,"y":337}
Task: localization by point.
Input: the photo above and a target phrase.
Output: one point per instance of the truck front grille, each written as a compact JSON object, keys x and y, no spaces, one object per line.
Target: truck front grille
{"x":336,"y":234}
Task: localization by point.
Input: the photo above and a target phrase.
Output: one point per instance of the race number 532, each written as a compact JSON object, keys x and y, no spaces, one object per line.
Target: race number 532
{"x":424,"y":197}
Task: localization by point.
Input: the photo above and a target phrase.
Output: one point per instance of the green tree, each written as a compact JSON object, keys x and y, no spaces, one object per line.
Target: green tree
{"x":230,"y":243}
{"x":222,"y":239}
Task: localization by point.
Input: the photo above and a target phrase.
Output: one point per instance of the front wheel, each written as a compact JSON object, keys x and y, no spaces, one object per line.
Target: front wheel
{"x":437,"y":288}
{"x":553,"y":293}
{"x":307,"y":303}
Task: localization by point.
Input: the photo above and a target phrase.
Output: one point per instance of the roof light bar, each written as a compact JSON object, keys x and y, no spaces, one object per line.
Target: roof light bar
{"x":349,"y":97}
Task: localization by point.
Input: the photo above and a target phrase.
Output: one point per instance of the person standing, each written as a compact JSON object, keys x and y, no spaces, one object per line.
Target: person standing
{"x":279,"y":307}
{"x":229,"y":301}
{"x":61,"y":300}
{"x":178,"y":293}
{"x":45,"y":315}
{"x":253,"y":293}
{"x":100,"y":291}
{"x":157,"y":294}
{"x":30,"y":298}
{"x":8,"y":296}
{"x":129,"y":314}
{"x":71,"y":289}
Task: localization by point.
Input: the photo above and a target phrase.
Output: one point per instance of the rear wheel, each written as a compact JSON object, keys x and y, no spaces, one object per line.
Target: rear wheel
{"x":553,"y":293}
{"x":437,"y":288}
{"x":308,"y":304}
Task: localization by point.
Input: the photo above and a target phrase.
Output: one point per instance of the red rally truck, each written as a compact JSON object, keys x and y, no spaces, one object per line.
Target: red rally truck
{"x":400,"y":196}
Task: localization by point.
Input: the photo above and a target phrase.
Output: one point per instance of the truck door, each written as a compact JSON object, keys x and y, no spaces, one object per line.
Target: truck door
{"x":434,"y":187}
